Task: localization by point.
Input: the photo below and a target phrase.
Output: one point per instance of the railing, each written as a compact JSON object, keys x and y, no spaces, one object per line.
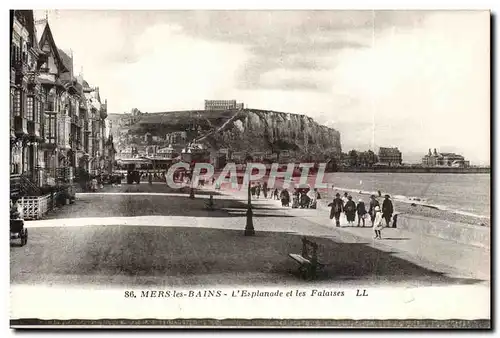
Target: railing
{"x":64,"y":174}
{"x":29,"y":182}
{"x":12,"y":75}
{"x":15,"y":185}
{"x":23,"y":185}
{"x":20,"y":125}
{"x":35,"y":207}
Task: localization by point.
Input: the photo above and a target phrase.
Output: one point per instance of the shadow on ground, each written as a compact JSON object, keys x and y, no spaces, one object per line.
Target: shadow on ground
{"x":181,"y":256}
{"x":100,"y":205}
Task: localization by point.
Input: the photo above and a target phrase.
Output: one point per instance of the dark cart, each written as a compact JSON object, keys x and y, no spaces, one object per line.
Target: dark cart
{"x":17,"y":230}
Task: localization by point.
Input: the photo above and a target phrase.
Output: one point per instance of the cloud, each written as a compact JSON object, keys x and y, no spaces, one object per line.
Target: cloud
{"x":420,"y":78}
{"x":426,"y":86}
{"x":274,"y":38}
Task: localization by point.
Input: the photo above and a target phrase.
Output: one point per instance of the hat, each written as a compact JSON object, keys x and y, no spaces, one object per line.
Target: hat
{"x":337,"y":194}
{"x":377,"y":208}
{"x":387,"y":196}
{"x":349,"y":197}
{"x":372,"y":196}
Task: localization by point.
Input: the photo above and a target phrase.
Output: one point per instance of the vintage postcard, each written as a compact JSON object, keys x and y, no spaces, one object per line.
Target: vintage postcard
{"x":250,"y":168}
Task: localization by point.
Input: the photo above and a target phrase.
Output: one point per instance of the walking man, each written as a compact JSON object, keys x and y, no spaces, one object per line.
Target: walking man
{"x":337,"y":206}
{"x":387,"y":210}
{"x":361,"y":210}
{"x":373,"y":204}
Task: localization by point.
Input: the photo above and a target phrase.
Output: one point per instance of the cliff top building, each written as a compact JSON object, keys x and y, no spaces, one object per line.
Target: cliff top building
{"x":222,"y":105}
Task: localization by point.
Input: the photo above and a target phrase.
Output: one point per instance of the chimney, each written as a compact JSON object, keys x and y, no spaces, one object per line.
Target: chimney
{"x":435,"y":152}
{"x":430,"y":152}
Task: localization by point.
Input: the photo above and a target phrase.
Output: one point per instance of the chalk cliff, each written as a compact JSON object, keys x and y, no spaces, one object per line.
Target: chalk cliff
{"x":247,"y":130}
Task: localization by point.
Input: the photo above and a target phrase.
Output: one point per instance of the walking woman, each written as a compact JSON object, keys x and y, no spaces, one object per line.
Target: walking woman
{"x":350,"y":210}
{"x":285,"y":198}
{"x":377,"y":223}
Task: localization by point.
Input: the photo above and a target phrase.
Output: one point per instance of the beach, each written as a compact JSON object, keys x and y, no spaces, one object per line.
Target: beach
{"x":412,"y":209}
{"x":463,"y":198}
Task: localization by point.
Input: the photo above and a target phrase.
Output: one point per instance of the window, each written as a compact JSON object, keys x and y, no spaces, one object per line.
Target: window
{"x":50,"y":128}
{"x":17,"y":103}
{"x":35,"y":110}
{"x":29,"y":108}
{"x":39,"y":112}
{"x":12,"y":94}
{"x":13,"y":53}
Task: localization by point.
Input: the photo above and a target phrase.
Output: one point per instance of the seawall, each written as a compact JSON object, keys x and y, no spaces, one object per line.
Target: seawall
{"x":453,"y":231}
{"x":417,"y":170}
{"x":467,"y":234}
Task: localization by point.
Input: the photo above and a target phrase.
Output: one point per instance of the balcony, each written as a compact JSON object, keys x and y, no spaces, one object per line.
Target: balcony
{"x":34,"y":130}
{"x":20,"y":66}
{"x":20,"y":126}
{"x":77,"y":121}
{"x":50,"y":141}
{"x":33,"y":78}
{"x":88,"y":126}
{"x":50,"y":106}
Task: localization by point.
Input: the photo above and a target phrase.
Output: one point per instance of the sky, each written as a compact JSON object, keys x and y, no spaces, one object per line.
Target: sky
{"x":411,"y":79}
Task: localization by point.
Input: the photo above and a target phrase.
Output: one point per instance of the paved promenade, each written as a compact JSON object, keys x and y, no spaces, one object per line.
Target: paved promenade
{"x":426,"y":251}
{"x":151,"y":235}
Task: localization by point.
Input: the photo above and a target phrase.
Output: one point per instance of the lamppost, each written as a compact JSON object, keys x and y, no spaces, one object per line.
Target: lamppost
{"x":249,"y":229}
{"x":191,"y":190}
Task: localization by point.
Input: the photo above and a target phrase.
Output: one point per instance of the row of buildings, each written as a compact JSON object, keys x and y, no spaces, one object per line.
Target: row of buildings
{"x":57,"y":120}
{"x":392,"y":157}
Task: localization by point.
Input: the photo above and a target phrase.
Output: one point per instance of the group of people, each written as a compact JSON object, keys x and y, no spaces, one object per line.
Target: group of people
{"x":376,"y":214}
{"x":300,"y":198}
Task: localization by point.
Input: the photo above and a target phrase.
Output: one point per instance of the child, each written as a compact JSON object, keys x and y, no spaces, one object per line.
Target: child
{"x":377,"y":223}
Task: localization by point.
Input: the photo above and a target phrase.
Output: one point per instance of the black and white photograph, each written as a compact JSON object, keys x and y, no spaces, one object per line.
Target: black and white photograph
{"x":250,"y":168}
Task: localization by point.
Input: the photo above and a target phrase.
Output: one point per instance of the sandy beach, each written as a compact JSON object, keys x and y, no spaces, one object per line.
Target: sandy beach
{"x":408,"y":208}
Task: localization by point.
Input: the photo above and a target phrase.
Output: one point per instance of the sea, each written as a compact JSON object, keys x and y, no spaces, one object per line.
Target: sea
{"x":463,"y":193}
